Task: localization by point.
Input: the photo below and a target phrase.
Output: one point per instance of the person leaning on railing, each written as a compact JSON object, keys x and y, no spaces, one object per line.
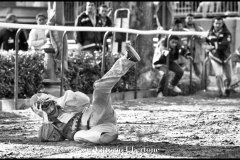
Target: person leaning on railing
{"x":195,"y":44}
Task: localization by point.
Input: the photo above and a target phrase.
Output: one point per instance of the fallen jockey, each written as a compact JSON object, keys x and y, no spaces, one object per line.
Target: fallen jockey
{"x":73,"y":117}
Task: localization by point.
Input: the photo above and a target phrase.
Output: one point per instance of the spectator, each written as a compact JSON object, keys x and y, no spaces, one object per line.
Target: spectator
{"x":219,"y":40}
{"x":7,"y":36}
{"x":91,"y":19}
{"x":178,"y":25}
{"x":159,"y":61}
{"x":106,"y":21}
{"x":37,"y":37}
{"x":195,"y":44}
{"x":72,"y":117}
{"x":104,"y":14}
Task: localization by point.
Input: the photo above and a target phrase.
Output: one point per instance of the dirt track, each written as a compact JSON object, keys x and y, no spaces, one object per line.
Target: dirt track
{"x":200,"y":126}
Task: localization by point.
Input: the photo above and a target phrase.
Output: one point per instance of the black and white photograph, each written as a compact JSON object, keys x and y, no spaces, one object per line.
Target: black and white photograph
{"x":120,"y":79}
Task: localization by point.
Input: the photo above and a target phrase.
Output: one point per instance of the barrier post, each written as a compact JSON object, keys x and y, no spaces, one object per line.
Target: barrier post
{"x":190,"y":77}
{"x":51,"y":83}
{"x":191,"y":64}
{"x":62,"y":63}
{"x":16,"y":68}
{"x":205,"y":72}
{"x":104,"y":53}
{"x":165,"y":90}
{"x":135,"y":83}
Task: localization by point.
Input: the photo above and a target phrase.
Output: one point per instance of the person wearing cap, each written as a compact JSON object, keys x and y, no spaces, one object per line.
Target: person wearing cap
{"x":195,"y":43}
{"x":37,"y":37}
{"x":7,"y":36}
{"x":174,"y":50}
{"x":73,"y":117}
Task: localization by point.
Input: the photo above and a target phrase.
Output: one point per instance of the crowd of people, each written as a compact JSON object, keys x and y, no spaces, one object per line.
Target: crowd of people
{"x":217,"y":49}
{"x":92,"y":17}
{"x":179,"y":48}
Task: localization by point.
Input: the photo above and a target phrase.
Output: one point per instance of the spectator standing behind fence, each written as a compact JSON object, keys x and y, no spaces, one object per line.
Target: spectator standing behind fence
{"x":7,"y":36}
{"x":104,"y":13}
{"x":88,"y":18}
{"x":195,"y":44}
{"x":37,"y":37}
{"x":219,"y":40}
{"x":178,"y":25}
{"x":159,"y":61}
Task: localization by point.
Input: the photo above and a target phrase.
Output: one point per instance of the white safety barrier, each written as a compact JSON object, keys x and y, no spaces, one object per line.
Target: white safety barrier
{"x":100,"y":29}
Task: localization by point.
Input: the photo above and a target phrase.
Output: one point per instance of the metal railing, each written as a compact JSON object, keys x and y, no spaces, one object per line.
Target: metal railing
{"x":65,"y":29}
{"x":206,"y":8}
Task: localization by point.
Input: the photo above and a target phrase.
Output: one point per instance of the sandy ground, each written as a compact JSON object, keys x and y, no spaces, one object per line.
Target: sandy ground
{"x":197,"y":126}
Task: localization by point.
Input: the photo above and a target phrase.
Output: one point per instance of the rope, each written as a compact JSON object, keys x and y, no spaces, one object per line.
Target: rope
{"x":99,"y":29}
